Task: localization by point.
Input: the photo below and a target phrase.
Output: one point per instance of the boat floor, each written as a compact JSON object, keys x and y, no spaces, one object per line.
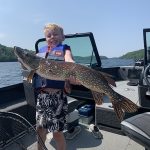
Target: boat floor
{"x":86,"y":141}
{"x":111,"y":141}
{"x":130,"y":92}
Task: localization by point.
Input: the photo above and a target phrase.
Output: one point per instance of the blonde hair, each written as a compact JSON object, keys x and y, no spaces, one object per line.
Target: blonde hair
{"x":54,"y":27}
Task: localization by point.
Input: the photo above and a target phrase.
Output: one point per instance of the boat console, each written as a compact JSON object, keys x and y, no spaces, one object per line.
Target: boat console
{"x":144,"y":82}
{"x":137,"y":127}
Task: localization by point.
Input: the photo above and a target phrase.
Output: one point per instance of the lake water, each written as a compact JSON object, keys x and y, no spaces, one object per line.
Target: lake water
{"x":10,"y":72}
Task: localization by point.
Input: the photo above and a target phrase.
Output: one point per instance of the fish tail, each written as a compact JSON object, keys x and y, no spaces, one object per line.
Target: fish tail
{"x":123,"y":104}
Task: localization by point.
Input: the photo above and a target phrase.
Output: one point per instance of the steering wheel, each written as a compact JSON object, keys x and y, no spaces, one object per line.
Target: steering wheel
{"x":146,"y":75}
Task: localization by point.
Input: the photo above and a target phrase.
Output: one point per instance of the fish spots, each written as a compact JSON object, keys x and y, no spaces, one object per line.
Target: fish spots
{"x":47,"y":62}
{"x":91,"y":79}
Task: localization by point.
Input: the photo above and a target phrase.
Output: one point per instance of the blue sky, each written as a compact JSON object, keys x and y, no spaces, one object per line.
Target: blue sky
{"x":117,"y":25}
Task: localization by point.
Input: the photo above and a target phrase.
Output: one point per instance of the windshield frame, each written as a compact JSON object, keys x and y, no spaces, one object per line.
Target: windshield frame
{"x":145,"y":31}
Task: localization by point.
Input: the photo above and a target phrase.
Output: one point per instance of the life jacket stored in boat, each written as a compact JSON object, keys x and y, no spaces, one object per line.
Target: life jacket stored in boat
{"x":57,"y":54}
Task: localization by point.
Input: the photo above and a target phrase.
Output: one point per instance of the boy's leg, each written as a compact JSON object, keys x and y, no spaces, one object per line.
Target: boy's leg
{"x":60,"y":140}
{"x":42,"y":133}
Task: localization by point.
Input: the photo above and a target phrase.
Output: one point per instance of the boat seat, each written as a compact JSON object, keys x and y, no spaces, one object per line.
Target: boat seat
{"x":72,"y":104}
{"x":138,"y":129}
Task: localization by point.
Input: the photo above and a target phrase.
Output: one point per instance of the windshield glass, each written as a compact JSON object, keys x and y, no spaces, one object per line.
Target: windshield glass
{"x":148,"y":40}
{"x":81,"y":48}
{"x":148,"y":45}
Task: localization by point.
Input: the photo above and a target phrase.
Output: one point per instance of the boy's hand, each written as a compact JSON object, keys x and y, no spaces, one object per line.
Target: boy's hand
{"x":74,"y":81}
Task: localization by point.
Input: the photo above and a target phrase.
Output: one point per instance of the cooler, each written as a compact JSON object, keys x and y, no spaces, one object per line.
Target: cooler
{"x":86,"y":113}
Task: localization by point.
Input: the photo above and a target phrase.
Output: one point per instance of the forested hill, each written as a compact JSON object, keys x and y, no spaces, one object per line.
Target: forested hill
{"x":7,"y":54}
{"x":139,"y":54}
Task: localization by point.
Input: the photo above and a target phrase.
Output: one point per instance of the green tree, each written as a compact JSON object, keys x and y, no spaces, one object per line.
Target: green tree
{"x":7,"y":54}
{"x":139,"y":54}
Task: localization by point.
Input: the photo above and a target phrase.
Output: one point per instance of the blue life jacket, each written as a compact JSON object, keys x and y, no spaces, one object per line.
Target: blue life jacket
{"x":57,"y":54}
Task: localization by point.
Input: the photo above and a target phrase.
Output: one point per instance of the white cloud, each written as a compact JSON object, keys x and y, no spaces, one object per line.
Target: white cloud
{"x":38,"y":18}
{"x":2,"y":35}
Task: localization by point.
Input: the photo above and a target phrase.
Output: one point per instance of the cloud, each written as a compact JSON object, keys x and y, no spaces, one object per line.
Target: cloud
{"x":38,"y":18}
{"x":2,"y":35}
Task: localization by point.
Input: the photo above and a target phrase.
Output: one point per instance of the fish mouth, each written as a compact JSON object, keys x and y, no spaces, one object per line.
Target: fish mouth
{"x":19,"y":52}
{"x":27,"y":58}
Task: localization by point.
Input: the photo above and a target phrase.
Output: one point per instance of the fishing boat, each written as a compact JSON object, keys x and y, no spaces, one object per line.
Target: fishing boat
{"x":133,"y":132}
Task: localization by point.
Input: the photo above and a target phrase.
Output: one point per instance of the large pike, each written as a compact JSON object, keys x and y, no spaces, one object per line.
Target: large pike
{"x":94,"y":80}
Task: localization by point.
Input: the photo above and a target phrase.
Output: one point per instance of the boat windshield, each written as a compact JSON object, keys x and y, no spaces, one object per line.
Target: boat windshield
{"x":148,"y":45}
{"x":81,"y":47}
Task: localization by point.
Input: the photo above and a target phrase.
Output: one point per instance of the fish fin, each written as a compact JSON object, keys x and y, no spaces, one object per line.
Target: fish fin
{"x":30,"y":76}
{"x":106,"y":74}
{"x":67,"y":86}
{"x":123,"y":105}
{"x":109,"y":79}
{"x":98,"y":97}
{"x":118,"y":110}
{"x":129,"y":106}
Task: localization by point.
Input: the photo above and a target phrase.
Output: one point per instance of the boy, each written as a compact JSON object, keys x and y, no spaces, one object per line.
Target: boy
{"x":51,"y":109}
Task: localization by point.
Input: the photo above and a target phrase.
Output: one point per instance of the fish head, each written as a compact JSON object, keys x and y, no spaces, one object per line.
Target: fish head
{"x":27,"y":58}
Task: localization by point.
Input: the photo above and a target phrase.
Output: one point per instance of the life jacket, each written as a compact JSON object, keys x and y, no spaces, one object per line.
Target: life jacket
{"x":57,"y":54}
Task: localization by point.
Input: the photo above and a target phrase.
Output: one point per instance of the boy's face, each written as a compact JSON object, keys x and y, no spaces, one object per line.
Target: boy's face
{"x":54,"y":37}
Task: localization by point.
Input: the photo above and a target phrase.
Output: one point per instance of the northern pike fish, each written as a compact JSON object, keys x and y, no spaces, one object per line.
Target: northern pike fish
{"x":96,"y":81}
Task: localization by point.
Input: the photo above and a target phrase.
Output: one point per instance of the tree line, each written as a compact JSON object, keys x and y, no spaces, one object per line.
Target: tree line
{"x":7,"y":54}
{"x":139,"y":54}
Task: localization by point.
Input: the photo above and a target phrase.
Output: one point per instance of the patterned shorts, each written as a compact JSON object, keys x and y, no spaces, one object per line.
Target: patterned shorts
{"x":51,"y":111}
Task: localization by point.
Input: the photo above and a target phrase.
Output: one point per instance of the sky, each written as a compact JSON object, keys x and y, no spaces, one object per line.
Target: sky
{"x":117,"y":25}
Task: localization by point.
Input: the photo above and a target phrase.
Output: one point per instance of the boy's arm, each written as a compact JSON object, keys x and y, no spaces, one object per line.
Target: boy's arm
{"x":68,"y":56}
